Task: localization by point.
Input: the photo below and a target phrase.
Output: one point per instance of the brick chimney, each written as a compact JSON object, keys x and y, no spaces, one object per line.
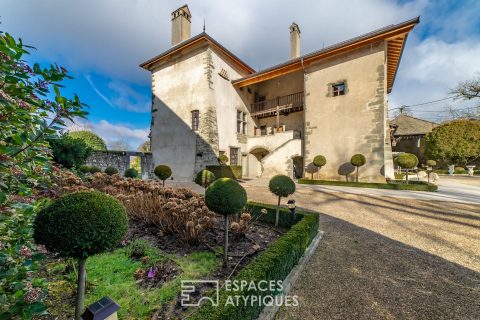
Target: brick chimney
{"x":294,"y":41}
{"x":181,"y":25}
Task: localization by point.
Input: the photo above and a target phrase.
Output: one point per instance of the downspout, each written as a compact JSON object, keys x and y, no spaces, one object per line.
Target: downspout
{"x":304,"y":123}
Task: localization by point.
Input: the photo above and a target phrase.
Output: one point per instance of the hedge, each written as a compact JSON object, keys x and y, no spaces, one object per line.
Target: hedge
{"x":224,"y":171}
{"x":273,"y":264}
{"x":392,"y":185}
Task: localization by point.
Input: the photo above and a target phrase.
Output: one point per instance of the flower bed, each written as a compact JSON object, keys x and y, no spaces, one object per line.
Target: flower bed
{"x":274,"y":264}
{"x":392,"y":185}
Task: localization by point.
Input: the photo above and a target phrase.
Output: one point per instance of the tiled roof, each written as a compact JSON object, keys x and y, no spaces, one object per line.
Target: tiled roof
{"x":407,"y":125}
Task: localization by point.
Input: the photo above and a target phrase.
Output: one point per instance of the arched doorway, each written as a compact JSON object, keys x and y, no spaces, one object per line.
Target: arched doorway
{"x":255,"y":156}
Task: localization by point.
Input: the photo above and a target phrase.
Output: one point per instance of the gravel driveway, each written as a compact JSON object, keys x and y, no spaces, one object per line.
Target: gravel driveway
{"x":387,"y":258}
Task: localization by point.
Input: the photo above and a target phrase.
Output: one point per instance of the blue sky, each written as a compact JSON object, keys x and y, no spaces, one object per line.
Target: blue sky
{"x":102,"y":43}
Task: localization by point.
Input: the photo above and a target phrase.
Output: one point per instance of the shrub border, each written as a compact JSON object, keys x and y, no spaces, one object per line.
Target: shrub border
{"x":275,"y":263}
{"x":413,"y":185}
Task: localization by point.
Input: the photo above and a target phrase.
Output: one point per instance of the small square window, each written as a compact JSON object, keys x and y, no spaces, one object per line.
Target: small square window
{"x":338,"y":89}
{"x":195,"y":119}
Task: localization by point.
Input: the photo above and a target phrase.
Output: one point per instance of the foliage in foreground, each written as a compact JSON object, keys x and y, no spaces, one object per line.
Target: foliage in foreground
{"x":27,"y":120}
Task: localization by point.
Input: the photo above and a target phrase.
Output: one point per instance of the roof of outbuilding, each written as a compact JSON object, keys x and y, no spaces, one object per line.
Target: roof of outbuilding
{"x":407,"y":125}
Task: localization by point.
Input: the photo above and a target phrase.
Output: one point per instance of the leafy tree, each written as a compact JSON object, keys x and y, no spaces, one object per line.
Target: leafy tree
{"x":407,"y":161}
{"x":69,"y":152}
{"x":281,"y":186}
{"x":319,"y":161}
{"x":457,"y":142}
{"x":79,"y":225}
{"x":163,"y":172}
{"x":91,"y":139}
{"x":27,"y":120}
{"x":357,"y":161}
{"x":225,"y":196}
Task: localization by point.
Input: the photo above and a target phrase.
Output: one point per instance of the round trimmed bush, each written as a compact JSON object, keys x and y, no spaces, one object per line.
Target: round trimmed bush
{"x":85,"y":168}
{"x":111,"y":171}
{"x":95,"y":169}
{"x":204,"y":178}
{"x":225,"y":196}
{"x":163,"y":172}
{"x":81,"y":224}
{"x":358,"y":160}
{"x":431,"y":163}
{"x":131,"y":173}
{"x":281,"y":185}
{"x":319,"y":161}
{"x":407,"y":160}
{"x":223,"y":159}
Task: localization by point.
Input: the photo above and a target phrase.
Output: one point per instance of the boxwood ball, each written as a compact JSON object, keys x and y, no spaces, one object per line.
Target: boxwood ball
{"x":81,"y":224}
{"x":281,"y":185}
{"x":225,"y":196}
{"x":163,"y":172}
{"x":204,"y":178}
{"x":131,"y":173}
{"x":358,"y":160}
{"x":319,"y":161}
{"x":111,"y":171}
{"x":407,"y":160}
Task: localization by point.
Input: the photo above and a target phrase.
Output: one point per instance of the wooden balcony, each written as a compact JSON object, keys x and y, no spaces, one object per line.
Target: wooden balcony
{"x":280,"y":105}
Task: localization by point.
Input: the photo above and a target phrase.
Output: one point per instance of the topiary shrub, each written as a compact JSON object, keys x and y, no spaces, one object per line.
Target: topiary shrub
{"x":95,"y":169}
{"x":223,"y":159}
{"x":84,"y":169}
{"x":431,"y":164}
{"x":225,"y":196}
{"x":460,"y":170}
{"x":319,"y":161}
{"x":163,"y":172}
{"x":407,"y":161}
{"x":204,"y":178}
{"x":131,"y":173}
{"x":357,"y":161}
{"x":111,"y":171}
{"x":79,"y":225}
{"x":281,"y":186}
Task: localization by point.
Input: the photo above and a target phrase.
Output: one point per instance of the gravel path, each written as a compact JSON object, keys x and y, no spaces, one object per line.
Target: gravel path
{"x":387,"y":258}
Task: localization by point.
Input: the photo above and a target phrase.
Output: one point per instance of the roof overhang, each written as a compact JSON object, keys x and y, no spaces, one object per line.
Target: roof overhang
{"x":192,"y":43}
{"x":395,"y":36}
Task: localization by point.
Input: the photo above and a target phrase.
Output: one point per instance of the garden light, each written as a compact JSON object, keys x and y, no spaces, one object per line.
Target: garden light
{"x":291,"y":207}
{"x":104,"y":308}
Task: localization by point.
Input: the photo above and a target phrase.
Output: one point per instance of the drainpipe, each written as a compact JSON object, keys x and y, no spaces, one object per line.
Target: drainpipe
{"x":304,"y":124}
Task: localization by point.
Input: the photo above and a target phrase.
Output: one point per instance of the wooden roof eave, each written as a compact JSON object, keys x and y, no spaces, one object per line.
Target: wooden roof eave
{"x":309,"y":59}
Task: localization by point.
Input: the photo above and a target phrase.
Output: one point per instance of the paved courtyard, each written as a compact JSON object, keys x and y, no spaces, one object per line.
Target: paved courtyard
{"x":384,"y":257}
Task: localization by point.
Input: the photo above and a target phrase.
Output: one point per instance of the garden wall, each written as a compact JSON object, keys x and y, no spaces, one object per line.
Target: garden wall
{"x":121,"y":161}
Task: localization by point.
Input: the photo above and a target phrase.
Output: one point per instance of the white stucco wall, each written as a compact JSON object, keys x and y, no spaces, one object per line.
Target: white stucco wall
{"x":178,"y":87}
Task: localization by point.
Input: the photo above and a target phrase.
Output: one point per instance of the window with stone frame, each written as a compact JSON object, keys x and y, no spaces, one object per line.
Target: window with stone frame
{"x":233,"y":156}
{"x":195,"y":119}
{"x":241,"y":122}
{"x":337,"y":89}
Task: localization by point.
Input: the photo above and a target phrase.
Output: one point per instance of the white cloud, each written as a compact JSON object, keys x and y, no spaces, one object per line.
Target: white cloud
{"x":126,"y":98}
{"x":112,"y":133}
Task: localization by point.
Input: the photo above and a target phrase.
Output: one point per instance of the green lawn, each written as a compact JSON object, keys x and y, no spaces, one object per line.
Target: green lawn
{"x":111,"y":274}
{"x":394,"y":185}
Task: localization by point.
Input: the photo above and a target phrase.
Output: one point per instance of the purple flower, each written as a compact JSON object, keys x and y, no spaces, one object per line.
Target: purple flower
{"x":151,"y":273}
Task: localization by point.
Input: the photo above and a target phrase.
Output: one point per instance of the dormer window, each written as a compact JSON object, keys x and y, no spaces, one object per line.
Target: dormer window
{"x":338,"y":89}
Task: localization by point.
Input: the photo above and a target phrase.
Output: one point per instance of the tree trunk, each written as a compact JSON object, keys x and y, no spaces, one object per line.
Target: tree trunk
{"x":428,"y":175}
{"x":356,"y":179}
{"x":163,"y":182}
{"x":406,"y":176}
{"x":80,"y":288}
{"x":225,"y":244}
{"x":277,"y":213}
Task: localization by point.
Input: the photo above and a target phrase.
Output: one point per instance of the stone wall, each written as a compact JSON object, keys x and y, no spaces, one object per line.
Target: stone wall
{"x":121,"y":161}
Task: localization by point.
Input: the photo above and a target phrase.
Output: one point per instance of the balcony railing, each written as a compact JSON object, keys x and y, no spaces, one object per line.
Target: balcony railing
{"x":284,"y":104}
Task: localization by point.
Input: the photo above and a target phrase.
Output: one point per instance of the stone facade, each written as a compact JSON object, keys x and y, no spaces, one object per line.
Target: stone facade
{"x":121,"y":161}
